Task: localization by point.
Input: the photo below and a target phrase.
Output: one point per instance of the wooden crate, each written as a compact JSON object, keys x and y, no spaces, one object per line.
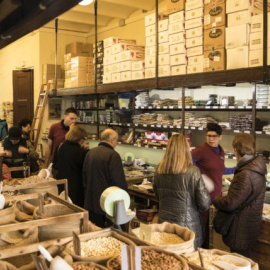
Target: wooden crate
{"x":79,"y":214}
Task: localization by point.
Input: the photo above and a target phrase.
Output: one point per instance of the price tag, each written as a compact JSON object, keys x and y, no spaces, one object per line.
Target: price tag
{"x":178,"y":126}
{"x":150,"y":107}
{"x":128,"y":125}
{"x":144,"y":125}
{"x":185,"y":127}
{"x":231,"y":107}
{"x":120,"y":124}
{"x":164,"y":148}
{"x":193,"y":128}
{"x":200,"y":128}
{"x":152,"y":125}
{"x":234,"y":158}
{"x":187,"y":107}
{"x":159,"y":126}
{"x":207,"y":107}
{"x":136,"y":125}
{"x":119,"y":143}
{"x":222,"y":107}
{"x":258,"y":107}
{"x":142,"y":107}
{"x":240,"y":107}
{"x":165,"y":126}
{"x":165,"y":107}
{"x":258,"y":132}
{"x":249,"y":107}
{"x":236,"y":131}
{"x":137,"y":107}
{"x":179,"y":107}
{"x":193,"y":107}
{"x":171,"y":127}
{"x":158,"y":107}
{"x":146,"y":146}
{"x":154,"y":147}
{"x":247,"y":131}
{"x":139,"y":146}
{"x":92,"y":122}
{"x":215,"y":107}
{"x":267,"y":132}
{"x":171,"y":107}
{"x":268,"y":107}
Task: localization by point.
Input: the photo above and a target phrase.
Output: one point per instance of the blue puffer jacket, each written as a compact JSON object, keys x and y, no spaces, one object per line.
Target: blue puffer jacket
{"x":181,"y":196}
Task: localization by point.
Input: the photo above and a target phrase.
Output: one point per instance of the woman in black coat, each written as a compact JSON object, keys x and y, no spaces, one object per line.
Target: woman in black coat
{"x":68,"y":163}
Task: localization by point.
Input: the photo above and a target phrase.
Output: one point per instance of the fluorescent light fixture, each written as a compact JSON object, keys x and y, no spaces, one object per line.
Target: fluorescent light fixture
{"x":85,"y":2}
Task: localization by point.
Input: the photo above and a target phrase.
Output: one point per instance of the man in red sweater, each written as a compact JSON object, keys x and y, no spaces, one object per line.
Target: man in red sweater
{"x":209,"y":158}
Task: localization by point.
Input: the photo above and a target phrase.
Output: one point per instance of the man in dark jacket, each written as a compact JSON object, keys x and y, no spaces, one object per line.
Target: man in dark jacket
{"x":102,"y":169}
{"x":246,"y":193}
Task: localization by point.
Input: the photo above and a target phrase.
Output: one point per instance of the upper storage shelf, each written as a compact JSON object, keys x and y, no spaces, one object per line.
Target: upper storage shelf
{"x":192,"y":80}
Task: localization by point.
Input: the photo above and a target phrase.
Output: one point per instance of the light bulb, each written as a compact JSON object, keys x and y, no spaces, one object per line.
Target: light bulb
{"x":85,"y":2}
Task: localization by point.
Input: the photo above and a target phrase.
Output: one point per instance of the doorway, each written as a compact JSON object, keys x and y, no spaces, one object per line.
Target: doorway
{"x":23,"y":95}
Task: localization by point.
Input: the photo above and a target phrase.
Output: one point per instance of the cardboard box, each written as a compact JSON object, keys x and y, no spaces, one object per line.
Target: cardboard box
{"x":131,"y":55}
{"x":107,"y":77}
{"x":164,"y":48}
{"x":137,"y":75}
{"x":163,"y":37}
{"x":163,"y":25}
{"x":114,"y":68}
{"x":125,"y":66}
{"x":68,"y":56}
{"x":125,"y":76}
{"x":108,"y":69}
{"x":119,"y":47}
{"x":194,"y":4}
{"x":164,"y":59}
{"x":195,"y":51}
{"x":239,"y":17}
{"x":197,"y":22}
{"x":150,"y":73}
{"x":195,"y":60}
{"x":194,"y":13}
{"x":214,"y":60}
{"x":256,"y":58}
{"x":177,"y":38}
{"x":194,"y":42}
{"x":176,"y":27}
{"x":238,"y":5}
{"x":151,"y":18}
{"x":108,"y":51}
{"x":178,"y":59}
{"x":137,"y":65}
{"x":116,"y":77}
{"x":237,"y":57}
{"x":60,"y":83}
{"x":178,"y":70}
{"x":176,"y":17}
{"x":150,"y":51}
{"x":150,"y":61}
{"x":237,"y":36}
{"x":150,"y":41}
{"x":214,"y":38}
{"x":67,"y":83}
{"x":84,"y":49}
{"x":67,"y":74}
{"x":195,"y":32}
{"x":107,"y":60}
{"x":113,"y":40}
{"x":67,"y":66}
{"x":257,"y":23}
{"x":150,"y":30}
{"x":50,"y":69}
{"x":81,"y":60}
{"x":164,"y":70}
{"x":256,"y":41}
{"x":214,"y":15}
{"x":175,"y":5}
{"x":179,"y":48}
{"x":194,"y":69}
{"x":116,"y":58}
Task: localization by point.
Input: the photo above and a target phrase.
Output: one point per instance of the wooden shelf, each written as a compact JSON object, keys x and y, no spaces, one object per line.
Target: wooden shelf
{"x":190,"y":80}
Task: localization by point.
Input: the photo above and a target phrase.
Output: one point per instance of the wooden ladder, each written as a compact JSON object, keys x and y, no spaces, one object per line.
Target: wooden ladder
{"x":39,"y":113}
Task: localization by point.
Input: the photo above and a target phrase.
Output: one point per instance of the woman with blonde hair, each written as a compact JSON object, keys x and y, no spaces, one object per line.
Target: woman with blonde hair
{"x":68,"y":163}
{"x":180,"y":189}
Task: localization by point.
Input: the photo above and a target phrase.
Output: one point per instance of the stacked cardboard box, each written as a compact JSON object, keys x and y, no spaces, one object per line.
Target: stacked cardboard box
{"x":214,"y":35}
{"x":99,"y":59}
{"x":48,"y":72}
{"x":119,"y":60}
{"x":150,"y":46}
{"x":194,"y":22}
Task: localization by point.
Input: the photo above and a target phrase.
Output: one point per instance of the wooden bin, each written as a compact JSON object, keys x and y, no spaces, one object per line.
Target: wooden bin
{"x":78,"y":214}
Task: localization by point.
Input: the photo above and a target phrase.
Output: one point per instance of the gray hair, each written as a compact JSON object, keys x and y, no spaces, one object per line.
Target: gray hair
{"x":108,"y":134}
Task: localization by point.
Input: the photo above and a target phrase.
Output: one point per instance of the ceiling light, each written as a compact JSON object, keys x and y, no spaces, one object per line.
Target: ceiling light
{"x":85,"y":2}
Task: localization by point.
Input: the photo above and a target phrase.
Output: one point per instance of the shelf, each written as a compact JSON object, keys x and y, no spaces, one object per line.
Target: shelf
{"x":190,"y":80}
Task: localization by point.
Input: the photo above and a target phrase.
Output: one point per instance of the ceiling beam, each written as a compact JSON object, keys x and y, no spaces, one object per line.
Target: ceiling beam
{"x":7,"y":7}
{"x":69,"y":26}
{"x":79,"y":17}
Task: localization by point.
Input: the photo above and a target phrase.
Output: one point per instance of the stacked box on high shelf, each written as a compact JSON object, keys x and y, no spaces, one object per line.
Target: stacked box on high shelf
{"x":214,"y":35}
{"x":194,"y":20}
{"x":119,"y":56}
{"x":48,"y":72}
{"x":99,"y":58}
{"x":73,"y":50}
{"x":150,"y":46}
{"x":238,"y":33}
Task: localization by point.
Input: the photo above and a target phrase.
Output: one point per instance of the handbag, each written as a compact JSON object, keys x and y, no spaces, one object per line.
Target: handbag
{"x":223,"y":220}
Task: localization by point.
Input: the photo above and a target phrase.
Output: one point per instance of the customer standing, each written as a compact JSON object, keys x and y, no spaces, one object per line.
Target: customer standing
{"x":57,"y":133}
{"x":180,"y":189}
{"x":102,"y":169}
{"x":209,"y":157}
{"x":68,"y":162}
{"x":246,"y":192}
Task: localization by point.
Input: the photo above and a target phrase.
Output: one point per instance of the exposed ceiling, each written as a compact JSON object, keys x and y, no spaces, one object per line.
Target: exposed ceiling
{"x":20,"y":17}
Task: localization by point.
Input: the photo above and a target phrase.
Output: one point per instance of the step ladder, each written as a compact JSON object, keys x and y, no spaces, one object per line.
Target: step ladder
{"x":39,"y":113}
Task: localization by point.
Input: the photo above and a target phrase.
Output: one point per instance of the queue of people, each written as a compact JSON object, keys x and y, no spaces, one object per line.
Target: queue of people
{"x":178,"y":182}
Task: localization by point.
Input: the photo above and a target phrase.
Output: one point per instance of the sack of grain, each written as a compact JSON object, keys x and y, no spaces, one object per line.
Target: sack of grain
{"x":87,"y":266}
{"x":170,"y":237}
{"x":7,"y":215}
{"x":154,"y":256}
{"x":99,"y":246}
{"x":210,"y":255}
{"x":7,"y":266}
{"x":60,"y":229}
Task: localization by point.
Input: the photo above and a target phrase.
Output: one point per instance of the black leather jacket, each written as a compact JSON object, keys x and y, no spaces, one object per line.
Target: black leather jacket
{"x":181,"y":196}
